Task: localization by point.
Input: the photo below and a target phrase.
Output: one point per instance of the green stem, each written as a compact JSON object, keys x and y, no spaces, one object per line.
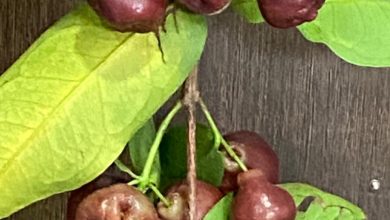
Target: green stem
{"x":233,"y":154}
{"x":145,"y":176}
{"x":160,"y":195}
{"x":214,"y":128}
{"x":133,"y":182}
{"x":218,"y":138}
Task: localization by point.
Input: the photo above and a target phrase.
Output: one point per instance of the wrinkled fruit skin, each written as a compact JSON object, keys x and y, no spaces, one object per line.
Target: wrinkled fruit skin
{"x":206,"y":7}
{"x":132,"y":15}
{"x":111,"y":176}
{"x":206,"y":197}
{"x":116,"y":202}
{"x":289,"y":13}
{"x":255,"y":152}
{"x":257,"y":199}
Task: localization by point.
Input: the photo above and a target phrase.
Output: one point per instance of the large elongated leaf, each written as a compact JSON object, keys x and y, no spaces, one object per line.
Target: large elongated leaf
{"x":324,"y":206}
{"x":356,"y":30}
{"x":72,"y":101}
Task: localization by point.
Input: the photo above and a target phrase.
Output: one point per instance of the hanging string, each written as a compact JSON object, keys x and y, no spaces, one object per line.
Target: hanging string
{"x":190,"y":99}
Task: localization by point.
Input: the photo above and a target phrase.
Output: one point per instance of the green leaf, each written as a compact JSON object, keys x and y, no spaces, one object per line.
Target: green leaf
{"x":73,"y":100}
{"x":124,"y":168}
{"x":221,"y":210}
{"x":249,"y":9}
{"x":325,"y":206}
{"x":356,"y":30}
{"x":173,"y":156}
{"x":139,"y":147}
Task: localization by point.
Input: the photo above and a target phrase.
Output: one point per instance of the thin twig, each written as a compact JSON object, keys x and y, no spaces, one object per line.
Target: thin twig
{"x":191,"y":97}
{"x":219,"y":138}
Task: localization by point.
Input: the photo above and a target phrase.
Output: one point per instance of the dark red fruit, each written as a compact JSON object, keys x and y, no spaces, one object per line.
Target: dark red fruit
{"x":117,"y":202}
{"x":257,"y":199}
{"x":111,"y":176}
{"x":207,"y":196}
{"x":255,"y":152}
{"x":132,"y":15}
{"x":289,"y":13}
{"x":207,"y":7}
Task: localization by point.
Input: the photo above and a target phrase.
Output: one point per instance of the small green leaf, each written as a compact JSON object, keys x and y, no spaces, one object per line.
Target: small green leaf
{"x":325,"y":206}
{"x":221,"y":210}
{"x":122,"y":167}
{"x":70,"y":104}
{"x":173,"y":151}
{"x":139,"y":147}
{"x":356,"y":30}
{"x":249,"y":9}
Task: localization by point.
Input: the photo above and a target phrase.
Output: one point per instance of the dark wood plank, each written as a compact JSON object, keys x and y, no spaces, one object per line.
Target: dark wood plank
{"x":328,"y":120}
{"x":22,"y":21}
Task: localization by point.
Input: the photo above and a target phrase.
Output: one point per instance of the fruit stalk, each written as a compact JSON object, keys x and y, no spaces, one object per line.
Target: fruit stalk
{"x":218,"y":136}
{"x":145,"y":176}
{"x":160,"y":196}
{"x":191,"y":97}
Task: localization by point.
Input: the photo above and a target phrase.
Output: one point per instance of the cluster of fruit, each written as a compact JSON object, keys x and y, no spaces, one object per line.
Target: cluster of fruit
{"x":256,"y":195}
{"x":149,"y":15}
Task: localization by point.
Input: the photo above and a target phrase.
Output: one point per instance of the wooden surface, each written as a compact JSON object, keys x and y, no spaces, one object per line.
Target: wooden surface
{"x":328,"y":120}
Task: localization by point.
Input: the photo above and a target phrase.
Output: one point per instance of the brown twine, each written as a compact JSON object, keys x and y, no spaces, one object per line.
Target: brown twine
{"x":191,"y":97}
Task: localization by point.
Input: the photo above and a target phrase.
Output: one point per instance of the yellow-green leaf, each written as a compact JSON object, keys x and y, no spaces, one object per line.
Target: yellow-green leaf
{"x":355,"y":30}
{"x":221,"y":210}
{"x":324,"y":206}
{"x":72,"y":101}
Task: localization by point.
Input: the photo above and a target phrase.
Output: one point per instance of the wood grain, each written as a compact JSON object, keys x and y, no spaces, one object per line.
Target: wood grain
{"x":328,"y":120}
{"x":21,"y":22}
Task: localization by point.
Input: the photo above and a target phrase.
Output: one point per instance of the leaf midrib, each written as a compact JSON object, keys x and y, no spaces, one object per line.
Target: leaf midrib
{"x":24,"y":145}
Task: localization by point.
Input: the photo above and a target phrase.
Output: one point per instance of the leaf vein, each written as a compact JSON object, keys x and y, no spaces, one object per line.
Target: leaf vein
{"x":22,"y":147}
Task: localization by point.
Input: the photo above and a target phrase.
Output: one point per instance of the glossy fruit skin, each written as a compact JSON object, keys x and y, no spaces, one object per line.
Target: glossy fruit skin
{"x":289,"y":13}
{"x":207,"y":196}
{"x":116,"y":202}
{"x":139,"y":16}
{"x":206,"y":7}
{"x":255,"y":152}
{"x":257,"y":199}
{"x":111,"y":176}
